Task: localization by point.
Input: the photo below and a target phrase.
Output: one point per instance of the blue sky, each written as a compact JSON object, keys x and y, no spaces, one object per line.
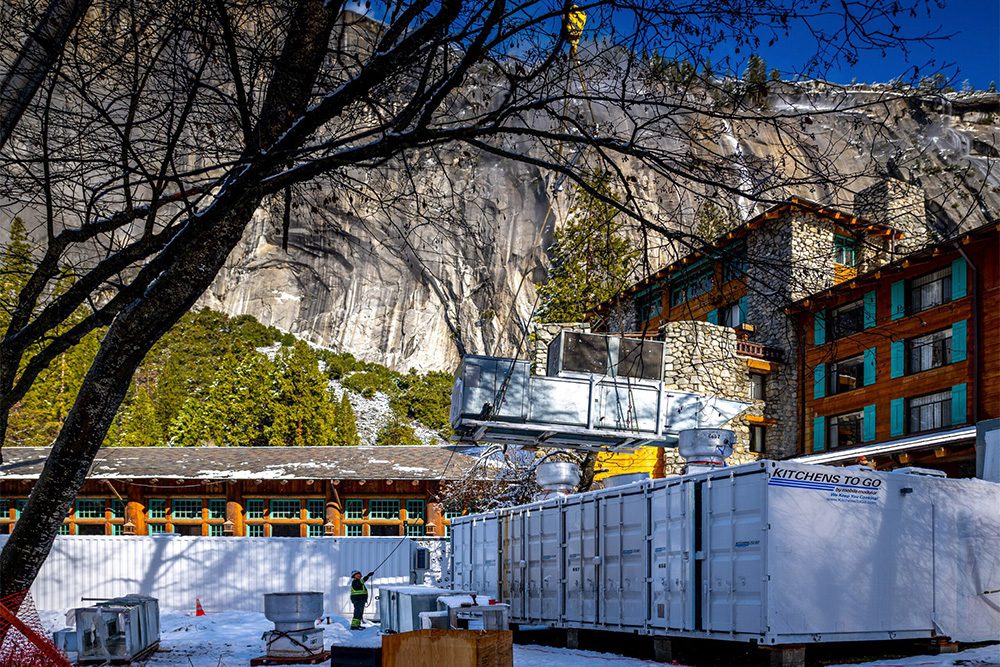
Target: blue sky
{"x":973,"y":52}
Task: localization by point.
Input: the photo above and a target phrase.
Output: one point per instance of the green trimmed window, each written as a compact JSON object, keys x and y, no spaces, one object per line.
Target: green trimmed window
{"x":316,"y":508}
{"x":415,"y":530}
{"x":186,"y":508}
{"x":415,"y":510}
{"x":692,"y":286}
{"x":255,"y":508}
{"x":448,"y":516}
{"x":735,"y":264}
{"x":155,"y":528}
{"x":255,"y":530}
{"x":90,"y":508}
{"x":649,"y":303}
{"x":353,"y":530}
{"x":64,"y":529}
{"x":354,"y":508}
{"x":845,"y":250}
{"x":314,"y":530}
{"x":118,"y":508}
{"x":216,"y":508}
{"x":216,"y":530}
{"x":117,"y":529}
{"x":383,"y":508}
{"x":156,"y":508}
{"x":4,"y":508}
{"x":285,"y":508}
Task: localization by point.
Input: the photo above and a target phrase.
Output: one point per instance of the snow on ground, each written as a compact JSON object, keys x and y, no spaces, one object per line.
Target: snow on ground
{"x":231,"y":639}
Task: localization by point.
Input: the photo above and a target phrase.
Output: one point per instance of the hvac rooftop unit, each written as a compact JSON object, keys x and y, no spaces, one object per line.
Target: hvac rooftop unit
{"x":598,"y":354}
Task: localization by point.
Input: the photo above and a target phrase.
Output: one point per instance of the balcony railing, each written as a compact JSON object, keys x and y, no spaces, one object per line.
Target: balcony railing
{"x":746,"y":348}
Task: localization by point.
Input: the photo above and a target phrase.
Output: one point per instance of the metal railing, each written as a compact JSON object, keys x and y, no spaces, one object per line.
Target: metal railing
{"x":746,"y":348}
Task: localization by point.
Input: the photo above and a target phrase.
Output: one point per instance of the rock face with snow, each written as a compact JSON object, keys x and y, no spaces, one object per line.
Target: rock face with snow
{"x":415,"y":290}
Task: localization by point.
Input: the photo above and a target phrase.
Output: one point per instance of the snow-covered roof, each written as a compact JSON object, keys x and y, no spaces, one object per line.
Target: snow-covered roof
{"x":234,"y":463}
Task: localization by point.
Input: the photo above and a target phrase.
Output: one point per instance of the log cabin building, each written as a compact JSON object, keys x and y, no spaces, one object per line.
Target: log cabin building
{"x":253,"y":492}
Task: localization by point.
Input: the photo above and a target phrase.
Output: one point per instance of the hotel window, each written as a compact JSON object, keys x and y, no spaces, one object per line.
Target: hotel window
{"x":930,"y":290}
{"x":688,"y":288}
{"x":845,"y":430}
{"x":731,"y":315}
{"x":255,"y":530}
{"x":186,"y":509}
{"x":930,"y":351}
{"x":217,"y":508}
{"x":90,"y":509}
{"x":758,"y":387}
{"x":155,"y":528}
{"x":735,"y":264}
{"x":649,"y":304}
{"x":354,"y":508}
{"x":415,"y":519}
{"x":383,"y":509}
{"x":353,"y":530}
{"x":282,"y":508}
{"x":216,"y":530}
{"x":848,"y":319}
{"x":316,"y":509}
{"x":254,"y":508}
{"x":758,"y":438}
{"x":846,"y":374}
{"x":314,"y":530}
{"x":156,"y":508}
{"x":930,"y":412}
{"x":448,"y":516}
{"x":845,"y":250}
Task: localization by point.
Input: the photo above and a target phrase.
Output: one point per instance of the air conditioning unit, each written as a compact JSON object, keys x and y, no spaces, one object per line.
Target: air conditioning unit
{"x":574,"y":352}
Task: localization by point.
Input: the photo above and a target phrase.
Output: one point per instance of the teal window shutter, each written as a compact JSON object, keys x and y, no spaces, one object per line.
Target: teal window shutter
{"x":870,"y":366}
{"x":819,"y":434}
{"x":868,"y":428}
{"x":869,"y":309}
{"x":897,"y":360}
{"x":959,"y":279}
{"x":958,"y":404}
{"x":898,"y":299}
{"x":743,"y":310}
{"x":896,"y":410}
{"x":713,"y":316}
{"x":959,"y":341}
{"x":819,"y":381}
{"x":819,"y":328}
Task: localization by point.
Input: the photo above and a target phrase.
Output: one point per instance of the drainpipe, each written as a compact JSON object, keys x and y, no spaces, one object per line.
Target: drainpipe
{"x":977,"y":308}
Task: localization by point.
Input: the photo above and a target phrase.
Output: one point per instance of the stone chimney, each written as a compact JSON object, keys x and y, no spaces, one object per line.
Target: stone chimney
{"x":899,"y":205}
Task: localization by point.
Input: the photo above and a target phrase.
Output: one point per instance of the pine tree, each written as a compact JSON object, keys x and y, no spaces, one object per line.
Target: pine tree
{"x":755,"y":77}
{"x":711,"y":221}
{"x":304,"y":410}
{"x":139,"y":425}
{"x":16,"y":265}
{"x":397,"y":432}
{"x":592,"y":260}
{"x":347,"y":423}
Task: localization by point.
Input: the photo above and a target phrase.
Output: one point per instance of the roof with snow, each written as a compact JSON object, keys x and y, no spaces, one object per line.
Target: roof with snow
{"x":233,"y":463}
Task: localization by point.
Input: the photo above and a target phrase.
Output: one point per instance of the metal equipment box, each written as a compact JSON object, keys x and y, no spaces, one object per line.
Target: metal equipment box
{"x":775,"y":553}
{"x":399,"y":607}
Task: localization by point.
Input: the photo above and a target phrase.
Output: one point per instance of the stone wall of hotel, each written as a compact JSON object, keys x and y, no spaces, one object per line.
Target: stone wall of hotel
{"x":902,"y":207}
{"x":542,"y":334}
{"x":700,"y":357}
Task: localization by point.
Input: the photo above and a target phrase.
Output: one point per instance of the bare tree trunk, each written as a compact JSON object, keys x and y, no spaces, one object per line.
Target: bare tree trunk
{"x":194,"y":262}
{"x":36,"y":58}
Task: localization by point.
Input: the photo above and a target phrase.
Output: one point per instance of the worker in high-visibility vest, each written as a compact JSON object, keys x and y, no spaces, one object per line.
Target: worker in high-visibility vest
{"x":359,"y":597}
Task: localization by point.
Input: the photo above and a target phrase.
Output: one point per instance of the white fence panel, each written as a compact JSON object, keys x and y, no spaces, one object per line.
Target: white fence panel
{"x":226,"y":573}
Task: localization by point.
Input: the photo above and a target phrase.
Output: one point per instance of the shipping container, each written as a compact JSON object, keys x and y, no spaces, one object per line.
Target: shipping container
{"x":774,"y":553}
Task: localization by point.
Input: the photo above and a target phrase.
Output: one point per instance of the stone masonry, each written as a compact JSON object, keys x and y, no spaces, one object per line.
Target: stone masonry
{"x":901,"y":206}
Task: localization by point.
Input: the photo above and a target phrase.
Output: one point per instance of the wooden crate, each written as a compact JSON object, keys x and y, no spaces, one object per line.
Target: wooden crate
{"x":449,"y":648}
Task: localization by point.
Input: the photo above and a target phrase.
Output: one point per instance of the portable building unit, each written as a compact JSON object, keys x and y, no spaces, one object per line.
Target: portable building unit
{"x":770,"y":552}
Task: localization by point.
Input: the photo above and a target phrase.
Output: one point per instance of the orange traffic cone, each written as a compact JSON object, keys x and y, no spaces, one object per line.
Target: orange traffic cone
{"x":198,"y":611}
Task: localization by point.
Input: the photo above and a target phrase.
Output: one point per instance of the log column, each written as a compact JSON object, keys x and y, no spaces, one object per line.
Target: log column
{"x":135,"y":508}
{"x":234,"y":508}
{"x":334,"y":509}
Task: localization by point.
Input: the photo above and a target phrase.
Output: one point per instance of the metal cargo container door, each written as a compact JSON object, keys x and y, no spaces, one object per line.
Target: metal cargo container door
{"x":485,"y":556}
{"x":542,"y":576}
{"x":516,"y":565}
{"x":670,"y":558}
{"x":583,"y":570}
{"x":461,"y":556}
{"x":623,"y":559}
{"x":733,"y":568}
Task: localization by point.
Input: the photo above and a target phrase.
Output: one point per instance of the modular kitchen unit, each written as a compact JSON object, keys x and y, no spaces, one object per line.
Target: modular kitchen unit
{"x":769,"y":552}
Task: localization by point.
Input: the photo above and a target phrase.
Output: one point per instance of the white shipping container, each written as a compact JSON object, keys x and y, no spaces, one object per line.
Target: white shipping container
{"x":771,"y":552}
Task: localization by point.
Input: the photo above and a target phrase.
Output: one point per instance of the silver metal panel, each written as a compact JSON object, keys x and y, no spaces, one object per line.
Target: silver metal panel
{"x":176,"y":570}
{"x":671,"y":563}
{"x":623,"y":552}
{"x":543,"y":554}
{"x":559,"y":401}
{"x":733,"y":524}
{"x":582,"y":561}
{"x":628,"y":407}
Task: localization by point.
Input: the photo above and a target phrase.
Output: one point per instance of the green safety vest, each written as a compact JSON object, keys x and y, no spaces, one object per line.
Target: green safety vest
{"x":356,"y":593}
